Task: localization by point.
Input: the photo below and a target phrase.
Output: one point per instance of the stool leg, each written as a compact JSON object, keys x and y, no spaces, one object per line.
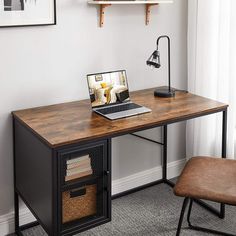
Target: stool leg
{"x":194,"y":227}
{"x":189,"y":213}
{"x":185,"y":203}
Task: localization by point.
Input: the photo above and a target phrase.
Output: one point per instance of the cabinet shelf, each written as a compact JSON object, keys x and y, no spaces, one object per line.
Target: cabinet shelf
{"x":79,"y":182}
{"x":148,"y":4}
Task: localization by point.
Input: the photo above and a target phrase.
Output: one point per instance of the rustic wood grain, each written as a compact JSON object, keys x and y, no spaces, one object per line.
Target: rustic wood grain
{"x":73,"y":122}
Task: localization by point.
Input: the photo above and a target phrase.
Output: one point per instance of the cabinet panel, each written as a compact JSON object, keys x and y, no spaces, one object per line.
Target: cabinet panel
{"x":34,"y":175}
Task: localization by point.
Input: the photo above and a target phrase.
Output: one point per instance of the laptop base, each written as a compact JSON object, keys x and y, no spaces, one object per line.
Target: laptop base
{"x":124,"y":114}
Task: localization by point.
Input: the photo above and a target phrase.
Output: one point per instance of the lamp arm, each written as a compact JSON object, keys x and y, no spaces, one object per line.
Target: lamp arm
{"x":167,"y":37}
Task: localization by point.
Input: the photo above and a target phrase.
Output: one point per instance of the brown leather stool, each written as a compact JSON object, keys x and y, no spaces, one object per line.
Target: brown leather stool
{"x":206,"y":178}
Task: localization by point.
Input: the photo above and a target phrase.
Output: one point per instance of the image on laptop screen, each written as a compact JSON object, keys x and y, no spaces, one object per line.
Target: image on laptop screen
{"x":108,"y":88}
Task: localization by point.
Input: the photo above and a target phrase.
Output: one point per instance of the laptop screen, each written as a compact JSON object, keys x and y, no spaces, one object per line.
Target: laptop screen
{"x":108,"y":88}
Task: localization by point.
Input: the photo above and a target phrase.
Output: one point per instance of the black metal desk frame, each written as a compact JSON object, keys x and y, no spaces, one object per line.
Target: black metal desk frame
{"x":220,"y":213}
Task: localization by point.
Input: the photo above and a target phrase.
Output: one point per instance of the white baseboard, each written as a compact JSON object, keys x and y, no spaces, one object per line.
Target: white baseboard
{"x":118,"y":186}
{"x":147,"y":176}
{"x":7,"y":221}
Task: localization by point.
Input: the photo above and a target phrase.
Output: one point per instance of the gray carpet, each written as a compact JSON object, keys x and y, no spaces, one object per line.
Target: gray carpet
{"x":153,"y":211}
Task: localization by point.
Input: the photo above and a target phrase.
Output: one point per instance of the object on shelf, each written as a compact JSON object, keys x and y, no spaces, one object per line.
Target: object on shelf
{"x":79,"y":203}
{"x":78,"y":167}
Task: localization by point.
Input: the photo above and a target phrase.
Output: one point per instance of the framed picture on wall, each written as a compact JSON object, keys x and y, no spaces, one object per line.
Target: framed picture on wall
{"x":27,"y":12}
{"x":98,"y":78}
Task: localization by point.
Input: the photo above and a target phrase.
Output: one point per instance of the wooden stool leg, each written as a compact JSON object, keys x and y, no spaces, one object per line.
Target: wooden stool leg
{"x":185,"y":203}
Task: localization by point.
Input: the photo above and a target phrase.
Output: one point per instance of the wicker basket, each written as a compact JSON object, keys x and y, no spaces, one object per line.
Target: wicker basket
{"x":76,"y":207}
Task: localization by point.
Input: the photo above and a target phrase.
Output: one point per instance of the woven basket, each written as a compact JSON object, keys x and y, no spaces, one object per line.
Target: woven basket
{"x":77,"y":207}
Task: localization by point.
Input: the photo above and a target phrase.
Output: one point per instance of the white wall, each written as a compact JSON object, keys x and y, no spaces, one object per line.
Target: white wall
{"x":46,"y":65}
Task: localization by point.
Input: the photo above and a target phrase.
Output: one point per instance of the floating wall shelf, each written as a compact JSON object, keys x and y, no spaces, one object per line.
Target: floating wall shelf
{"x":148,"y":4}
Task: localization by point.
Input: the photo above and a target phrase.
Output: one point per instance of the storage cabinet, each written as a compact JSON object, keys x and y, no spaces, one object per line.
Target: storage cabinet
{"x":67,"y":188}
{"x":85,"y":196}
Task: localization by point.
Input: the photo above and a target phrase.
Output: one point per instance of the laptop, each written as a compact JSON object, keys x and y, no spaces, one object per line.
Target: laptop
{"x":109,"y":95}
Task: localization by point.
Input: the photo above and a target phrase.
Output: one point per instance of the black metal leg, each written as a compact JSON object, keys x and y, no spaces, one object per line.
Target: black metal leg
{"x":164,"y":155}
{"x":208,"y":207}
{"x":201,"y":228}
{"x":220,"y":213}
{"x":185,"y":203}
{"x":16,"y":196}
{"x":16,"y":208}
{"x":164,"y":160}
{"x":18,"y":228}
{"x":224,"y":134}
{"x":224,"y":152}
{"x":189,"y":212}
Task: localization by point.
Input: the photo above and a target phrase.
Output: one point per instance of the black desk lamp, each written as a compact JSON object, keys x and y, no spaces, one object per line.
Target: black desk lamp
{"x":154,"y":61}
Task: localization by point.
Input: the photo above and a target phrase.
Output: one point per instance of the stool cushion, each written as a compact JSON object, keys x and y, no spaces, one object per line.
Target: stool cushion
{"x":208,"y":178}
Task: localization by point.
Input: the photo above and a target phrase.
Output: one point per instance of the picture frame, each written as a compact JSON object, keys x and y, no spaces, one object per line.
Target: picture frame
{"x":98,"y":78}
{"x":19,"y":13}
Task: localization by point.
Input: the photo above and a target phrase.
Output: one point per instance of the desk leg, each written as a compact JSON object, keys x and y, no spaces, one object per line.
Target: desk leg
{"x":224,"y":152}
{"x":164,"y":159}
{"x":221,"y":213}
{"x":16,"y":208}
{"x":18,"y":228}
{"x":16,"y":196}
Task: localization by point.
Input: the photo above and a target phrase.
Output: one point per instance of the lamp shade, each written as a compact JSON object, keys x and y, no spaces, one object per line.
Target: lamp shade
{"x":154,"y":60}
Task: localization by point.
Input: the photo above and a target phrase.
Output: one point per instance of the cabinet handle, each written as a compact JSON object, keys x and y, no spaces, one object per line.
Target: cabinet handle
{"x":78,"y":192}
{"x":107,"y":172}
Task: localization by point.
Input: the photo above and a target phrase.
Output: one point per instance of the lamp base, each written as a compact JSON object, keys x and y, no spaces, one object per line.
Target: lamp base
{"x":164,"y":92}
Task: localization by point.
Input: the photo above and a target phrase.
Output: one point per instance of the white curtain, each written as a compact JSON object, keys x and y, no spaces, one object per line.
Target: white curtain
{"x":212,"y":72}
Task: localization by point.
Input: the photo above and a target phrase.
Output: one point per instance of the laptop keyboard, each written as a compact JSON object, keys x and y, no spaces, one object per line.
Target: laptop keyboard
{"x":114,"y":109}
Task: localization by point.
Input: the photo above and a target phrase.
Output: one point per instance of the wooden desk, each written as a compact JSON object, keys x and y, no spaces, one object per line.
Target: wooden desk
{"x":44,"y":136}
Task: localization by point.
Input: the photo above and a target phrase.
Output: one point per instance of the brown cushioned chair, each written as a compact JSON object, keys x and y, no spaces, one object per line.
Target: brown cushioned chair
{"x":206,"y":178}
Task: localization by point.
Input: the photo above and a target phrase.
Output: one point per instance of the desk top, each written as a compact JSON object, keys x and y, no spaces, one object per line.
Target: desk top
{"x":72,"y":122}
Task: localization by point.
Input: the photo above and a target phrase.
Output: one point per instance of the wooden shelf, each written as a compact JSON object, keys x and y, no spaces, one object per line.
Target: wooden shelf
{"x":148,"y":3}
{"x":129,"y":2}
